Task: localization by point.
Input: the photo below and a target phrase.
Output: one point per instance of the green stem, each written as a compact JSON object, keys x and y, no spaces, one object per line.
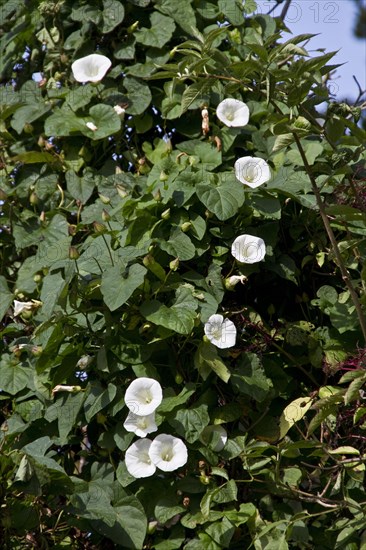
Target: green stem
{"x":344,"y":272}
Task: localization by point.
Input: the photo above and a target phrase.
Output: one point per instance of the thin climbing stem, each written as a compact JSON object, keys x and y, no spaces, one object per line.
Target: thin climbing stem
{"x":333,"y":241}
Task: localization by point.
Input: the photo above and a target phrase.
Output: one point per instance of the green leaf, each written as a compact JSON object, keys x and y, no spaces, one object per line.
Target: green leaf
{"x":171,"y":403}
{"x":179,"y":317}
{"x":113,"y":14}
{"x":208,"y":154}
{"x":293,"y":413}
{"x":69,"y":407}
{"x":223,"y":199}
{"x":63,"y":123}
{"x":33,"y":157}
{"x":6,"y":297}
{"x":118,"y":284}
{"x":13,"y":377}
{"x":98,"y":399}
{"x":138,"y":94}
{"x":81,"y":188}
{"x":221,"y":532}
{"x":182,"y":13}
{"x":232,"y":12}
{"x":53,"y":286}
{"x":189,"y":423}
{"x":353,"y":390}
{"x":207,"y":360}
{"x":179,"y":245}
{"x":193,"y":92}
{"x":250,"y":378}
{"x":159,"y":33}
{"x":130,"y":524}
{"x":105,"y":119}
{"x":28,"y":114}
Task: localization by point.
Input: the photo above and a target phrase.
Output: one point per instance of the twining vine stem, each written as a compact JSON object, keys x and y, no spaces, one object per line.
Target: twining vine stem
{"x":333,"y":240}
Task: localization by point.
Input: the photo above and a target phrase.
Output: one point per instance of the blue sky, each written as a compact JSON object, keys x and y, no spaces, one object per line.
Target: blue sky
{"x":333,"y":20}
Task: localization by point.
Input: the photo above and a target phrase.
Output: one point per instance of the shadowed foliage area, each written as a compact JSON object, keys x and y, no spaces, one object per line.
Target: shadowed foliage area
{"x":181,"y":281}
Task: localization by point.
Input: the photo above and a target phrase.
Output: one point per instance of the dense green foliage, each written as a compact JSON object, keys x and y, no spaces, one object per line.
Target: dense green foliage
{"x":119,"y":240}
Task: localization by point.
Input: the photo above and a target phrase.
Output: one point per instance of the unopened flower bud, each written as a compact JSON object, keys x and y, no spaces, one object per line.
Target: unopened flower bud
{"x":174,"y":264}
{"x":104,"y":199}
{"x":70,"y":389}
{"x":33,"y":199}
{"x":91,"y":126}
{"x":121,"y":191}
{"x":73,"y":253}
{"x":157,"y":196}
{"x":105,"y":216}
{"x":163,"y":176}
{"x":166,"y":214}
{"x":205,"y":480}
{"x":133,"y":27}
{"x":231,"y":282}
{"x":120,"y":111}
{"x":185,"y":226}
{"x":99,"y":227}
{"x":36,"y":350}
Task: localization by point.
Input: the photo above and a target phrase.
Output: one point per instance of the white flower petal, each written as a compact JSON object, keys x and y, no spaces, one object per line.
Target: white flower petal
{"x":168,"y":453}
{"x":214,"y":434}
{"x":220,"y":332}
{"x":252,"y":171}
{"x":91,"y":68}
{"x":137,"y":459}
{"x":248,"y":249}
{"x":119,"y":110}
{"x":233,"y":113}
{"x":233,"y":280}
{"x":19,"y":307}
{"x":140,"y":425}
{"x":143,"y":396}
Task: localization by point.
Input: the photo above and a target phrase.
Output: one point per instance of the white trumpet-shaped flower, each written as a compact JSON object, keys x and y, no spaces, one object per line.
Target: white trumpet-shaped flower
{"x":168,"y":453}
{"x":137,"y":459}
{"x":252,"y":171}
{"x":248,"y":249}
{"x":220,"y":332}
{"x":140,"y":425}
{"x":143,"y":396}
{"x":91,"y":68}
{"x":214,"y":435}
{"x":233,"y":112}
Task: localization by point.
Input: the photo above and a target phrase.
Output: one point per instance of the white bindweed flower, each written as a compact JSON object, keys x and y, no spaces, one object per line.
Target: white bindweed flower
{"x":91,"y":126}
{"x":233,"y":112}
{"x":137,"y":459}
{"x":220,"y":332}
{"x":168,"y":453}
{"x":119,"y":110}
{"x":231,"y":282}
{"x":140,"y":425}
{"x":19,"y":307}
{"x":143,"y":396}
{"x":248,"y":249}
{"x":252,"y":171}
{"x":91,"y":68}
{"x":214,"y":435}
